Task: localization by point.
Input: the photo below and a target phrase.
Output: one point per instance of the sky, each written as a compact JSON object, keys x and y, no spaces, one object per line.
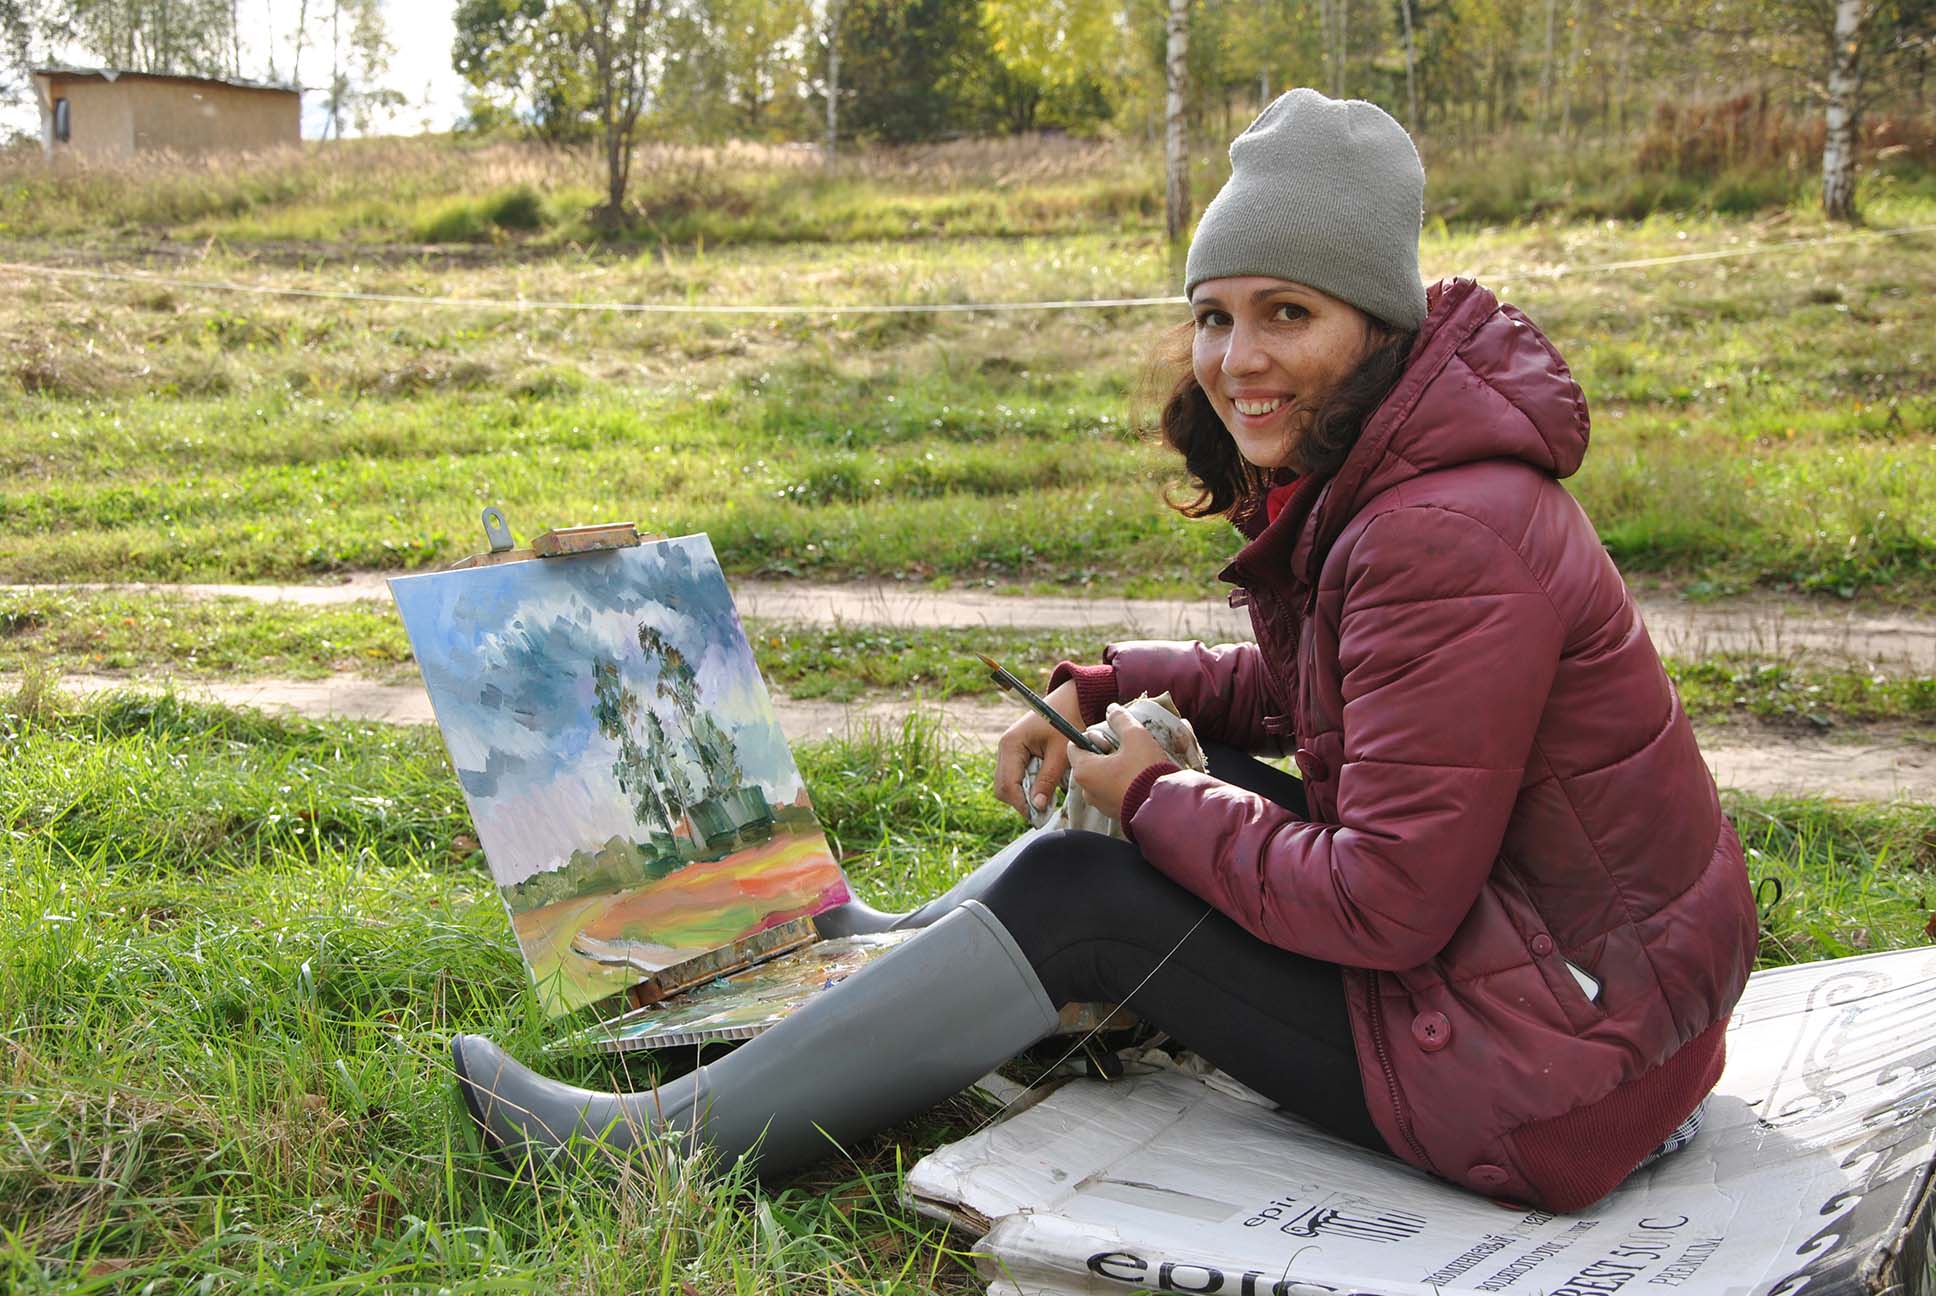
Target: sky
{"x":420,"y":31}
{"x":507,"y":654}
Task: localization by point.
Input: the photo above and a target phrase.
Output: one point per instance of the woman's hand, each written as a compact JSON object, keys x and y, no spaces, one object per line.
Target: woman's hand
{"x":1104,"y":779}
{"x":1032,"y":736}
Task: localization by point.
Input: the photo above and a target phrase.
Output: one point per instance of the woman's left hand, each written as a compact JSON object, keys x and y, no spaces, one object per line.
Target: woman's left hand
{"x":1104,"y":779}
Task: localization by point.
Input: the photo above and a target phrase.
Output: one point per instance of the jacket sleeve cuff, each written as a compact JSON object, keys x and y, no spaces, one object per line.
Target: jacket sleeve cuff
{"x":1138,"y":792}
{"x":1095,"y":688}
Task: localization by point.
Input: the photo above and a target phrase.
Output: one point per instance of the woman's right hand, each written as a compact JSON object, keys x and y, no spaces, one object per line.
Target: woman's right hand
{"x":1032,"y":736}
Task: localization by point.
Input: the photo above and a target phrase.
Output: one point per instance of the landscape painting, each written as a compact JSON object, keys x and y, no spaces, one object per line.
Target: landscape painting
{"x":621,"y":759}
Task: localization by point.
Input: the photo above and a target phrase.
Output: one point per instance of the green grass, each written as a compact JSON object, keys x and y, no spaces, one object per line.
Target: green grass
{"x":231,"y":949}
{"x":230,"y":952}
{"x":1758,"y":424}
{"x":126,"y":633}
{"x":520,"y":197}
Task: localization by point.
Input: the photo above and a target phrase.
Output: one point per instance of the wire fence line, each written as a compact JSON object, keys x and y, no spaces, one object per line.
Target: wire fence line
{"x":1562,"y":270}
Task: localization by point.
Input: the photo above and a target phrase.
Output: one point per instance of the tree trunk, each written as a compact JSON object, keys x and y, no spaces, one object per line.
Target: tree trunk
{"x":835,"y":11}
{"x":1844,"y":92}
{"x":1572,"y":65}
{"x":302,"y":31}
{"x":1546,"y":73}
{"x":1411,"y":63}
{"x":1344,"y":45}
{"x":1176,"y":136}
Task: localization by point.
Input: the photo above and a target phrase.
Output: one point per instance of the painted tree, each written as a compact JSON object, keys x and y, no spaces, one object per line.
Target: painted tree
{"x":638,"y":766}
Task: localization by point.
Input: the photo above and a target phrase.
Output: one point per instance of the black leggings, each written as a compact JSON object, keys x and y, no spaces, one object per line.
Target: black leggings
{"x":1094,"y":918}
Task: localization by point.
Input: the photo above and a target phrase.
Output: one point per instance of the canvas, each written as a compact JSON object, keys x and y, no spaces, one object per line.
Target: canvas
{"x":621,"y":759}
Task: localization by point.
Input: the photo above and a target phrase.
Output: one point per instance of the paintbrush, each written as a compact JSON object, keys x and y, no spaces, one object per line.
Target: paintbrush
{"x":1006,"y":679}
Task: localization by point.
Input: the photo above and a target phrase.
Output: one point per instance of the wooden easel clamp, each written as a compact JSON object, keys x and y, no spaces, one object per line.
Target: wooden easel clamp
{"x":557,"y":543}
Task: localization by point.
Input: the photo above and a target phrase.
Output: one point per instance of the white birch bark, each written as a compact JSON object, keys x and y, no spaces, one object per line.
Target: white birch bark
{"x":1844,"y":93}
{"x":835,"y":11}
{"x":1176,"y":136}
{"x":1411,"y":61}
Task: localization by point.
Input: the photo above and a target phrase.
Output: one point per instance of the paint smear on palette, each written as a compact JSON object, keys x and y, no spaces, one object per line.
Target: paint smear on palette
{"x":742,"y":1005}
{"x":621,"y":759}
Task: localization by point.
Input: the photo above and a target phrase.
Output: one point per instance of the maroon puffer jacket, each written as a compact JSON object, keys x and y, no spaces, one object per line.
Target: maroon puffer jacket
{"x":1501,"y":779}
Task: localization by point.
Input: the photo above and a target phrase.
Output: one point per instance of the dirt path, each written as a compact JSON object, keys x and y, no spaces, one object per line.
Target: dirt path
{"x":1764,"y":627}
{"x":1872,"y":764}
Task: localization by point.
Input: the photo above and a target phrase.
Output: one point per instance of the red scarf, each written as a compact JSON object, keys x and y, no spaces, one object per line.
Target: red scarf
{"x":1294,"y":495}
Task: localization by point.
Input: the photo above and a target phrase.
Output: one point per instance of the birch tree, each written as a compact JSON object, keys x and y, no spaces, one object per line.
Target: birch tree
{"x":1411,"y":66}
{"x":1844,"y":107}
{"x":1176,"y":134}
{"x":831,"y":15}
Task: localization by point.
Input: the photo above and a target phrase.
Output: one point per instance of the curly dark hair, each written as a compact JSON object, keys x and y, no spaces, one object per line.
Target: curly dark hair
{"x":1224,"y":481}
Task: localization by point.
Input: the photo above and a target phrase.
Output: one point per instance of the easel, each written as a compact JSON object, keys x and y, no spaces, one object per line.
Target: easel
{"x":658,"y":986}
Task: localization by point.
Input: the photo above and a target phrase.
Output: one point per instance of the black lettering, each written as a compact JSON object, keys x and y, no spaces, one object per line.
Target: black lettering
{"x":1109,"y":1264}
{"x":1166,"y":1277}
{"x":1679,"y":1221}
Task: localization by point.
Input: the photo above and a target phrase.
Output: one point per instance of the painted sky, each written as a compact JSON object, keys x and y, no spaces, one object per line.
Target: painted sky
{"x":507,"y":654}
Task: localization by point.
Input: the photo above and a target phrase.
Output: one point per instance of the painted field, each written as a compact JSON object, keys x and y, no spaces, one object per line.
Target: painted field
{"x":704,"y":905}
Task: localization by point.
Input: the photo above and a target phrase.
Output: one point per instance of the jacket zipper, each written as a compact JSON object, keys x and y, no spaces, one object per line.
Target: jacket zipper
{"x":1376,"y":1005}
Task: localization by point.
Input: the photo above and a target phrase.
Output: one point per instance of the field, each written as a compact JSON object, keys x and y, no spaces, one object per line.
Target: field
{"x":706,"y":904}
{"x":232,"y":946}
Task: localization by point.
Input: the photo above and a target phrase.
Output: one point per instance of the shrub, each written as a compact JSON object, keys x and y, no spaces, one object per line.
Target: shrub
{"x":519,"y":208}
{"x":455,"y":222}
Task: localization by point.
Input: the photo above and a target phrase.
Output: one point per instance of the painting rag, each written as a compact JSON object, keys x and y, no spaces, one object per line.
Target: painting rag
{"x":621,"y":759}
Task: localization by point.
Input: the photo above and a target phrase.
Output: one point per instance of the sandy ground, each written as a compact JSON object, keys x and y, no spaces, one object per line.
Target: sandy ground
{"x":1865,"y":762}
{"x":1765,"y":627}
{"x":1871,"y":763}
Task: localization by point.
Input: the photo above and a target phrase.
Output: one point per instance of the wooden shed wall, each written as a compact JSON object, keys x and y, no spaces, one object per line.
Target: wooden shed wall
{"x":116,"y":119}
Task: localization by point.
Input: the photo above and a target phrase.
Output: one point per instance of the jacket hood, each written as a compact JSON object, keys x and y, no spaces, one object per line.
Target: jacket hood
{"x":1482,"y":382}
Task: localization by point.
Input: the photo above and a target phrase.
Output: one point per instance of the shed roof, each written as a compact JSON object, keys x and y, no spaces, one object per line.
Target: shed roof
{"x":115,"y":74}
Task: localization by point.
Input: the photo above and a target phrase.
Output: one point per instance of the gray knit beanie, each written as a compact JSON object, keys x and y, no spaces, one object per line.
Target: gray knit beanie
{"x":1324,"y":192}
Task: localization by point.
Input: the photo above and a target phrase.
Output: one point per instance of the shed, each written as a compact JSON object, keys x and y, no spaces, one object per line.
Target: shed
{"x":103,"y":115}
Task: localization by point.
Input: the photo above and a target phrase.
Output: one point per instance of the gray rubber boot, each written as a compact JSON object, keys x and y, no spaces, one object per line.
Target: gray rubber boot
{"x":857,"y":919}
{"x":918,"y":1024}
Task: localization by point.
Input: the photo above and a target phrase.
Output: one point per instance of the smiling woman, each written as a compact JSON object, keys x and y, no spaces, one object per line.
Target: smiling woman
{"x":1497,"y":927}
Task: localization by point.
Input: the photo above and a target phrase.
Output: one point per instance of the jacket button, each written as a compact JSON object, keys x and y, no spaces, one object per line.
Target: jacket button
{"x":1542,"y":945}
{"x":1432,"y":1030}
{"x":1313,"y":765}
{"x":1486,"y":1176}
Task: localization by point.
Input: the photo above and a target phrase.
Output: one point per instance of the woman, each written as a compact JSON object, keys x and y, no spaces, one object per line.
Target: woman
{"x":1498,"y":927}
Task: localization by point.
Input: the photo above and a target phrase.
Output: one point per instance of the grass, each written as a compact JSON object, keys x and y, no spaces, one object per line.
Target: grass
{"x":149,"y":634}
{"x":1763,"y":423}
{"x":117,"y":633}
{"x":233,"y":946}
{"x":526,"y":197}
{"x":231,"y":952}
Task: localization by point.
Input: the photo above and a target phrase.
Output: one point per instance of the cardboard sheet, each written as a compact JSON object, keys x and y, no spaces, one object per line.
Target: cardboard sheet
{"x":1812,"y":1176}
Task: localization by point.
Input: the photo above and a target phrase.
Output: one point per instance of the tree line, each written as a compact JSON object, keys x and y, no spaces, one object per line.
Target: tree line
{"x":1461,"y":73}
{"x":905,"y":71}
